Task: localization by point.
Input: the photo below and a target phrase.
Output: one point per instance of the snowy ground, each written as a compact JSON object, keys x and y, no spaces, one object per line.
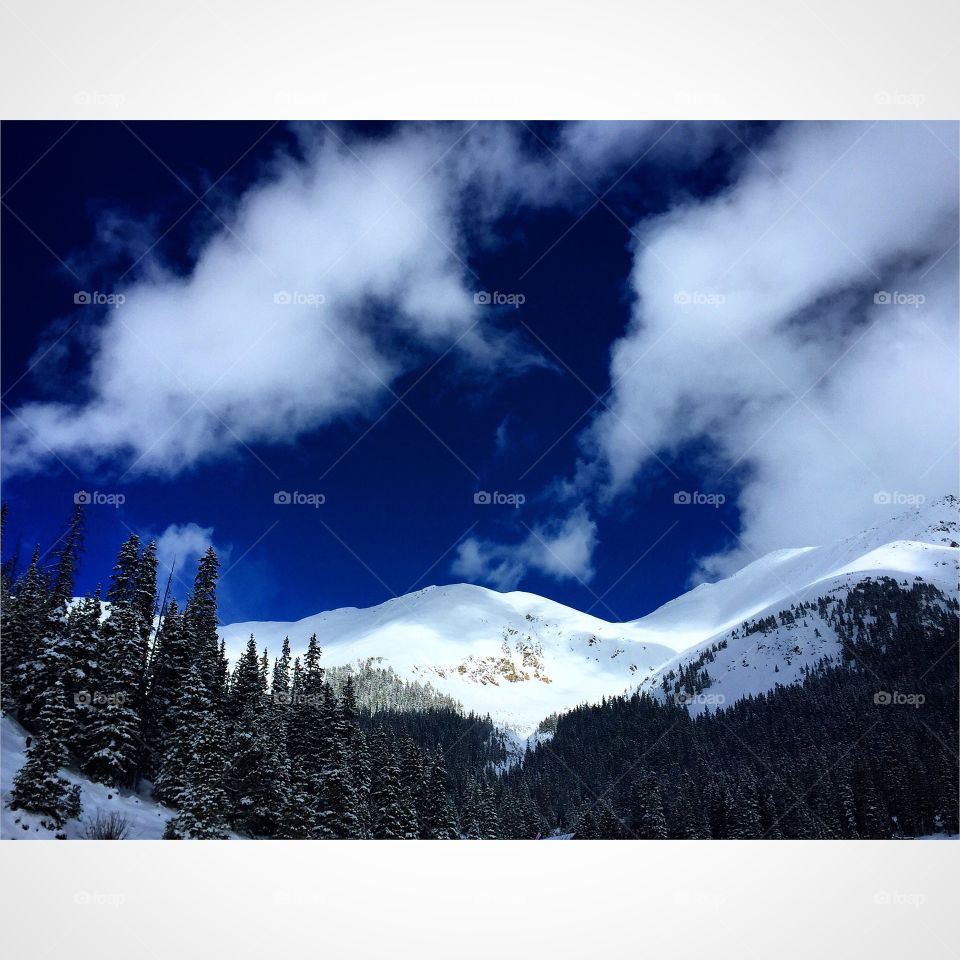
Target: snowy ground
{"x":146,"y":820}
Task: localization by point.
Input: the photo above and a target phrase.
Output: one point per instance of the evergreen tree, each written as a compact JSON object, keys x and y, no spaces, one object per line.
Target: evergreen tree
{"x":338,"y":802}
{"x":258,"y":775}
{"x":306,"y":740}
{"x":38,"y":786}
{"x":745,"y":812}
{"x":190,"y":712}
{"x":388,"y":818}
{"x":28,"y":627}
{"x":280,"y":683}
{"x":440,"y":822}
{"x":247,"y":689}
{"x":82,"y":676}
{"x":113,"y":736}
{"x":200,"y":625}
{"x":67,"y":559}
{"x":168,"y":672}
{"x":647,"y":820}
{"x":203,"y":805}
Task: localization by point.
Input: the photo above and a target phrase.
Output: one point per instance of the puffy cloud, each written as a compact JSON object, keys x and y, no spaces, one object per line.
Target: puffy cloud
{"x":329,"y":279}
{"x":182,"y":545}
{"x":758,"y":334}
{"x":561,"y":548}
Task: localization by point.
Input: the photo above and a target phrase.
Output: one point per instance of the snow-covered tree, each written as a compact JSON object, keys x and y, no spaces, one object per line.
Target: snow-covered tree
{"x":38,"y":786}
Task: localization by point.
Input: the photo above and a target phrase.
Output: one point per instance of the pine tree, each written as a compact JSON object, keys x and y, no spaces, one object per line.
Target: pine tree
{"x":689,"y":823}
{"x":113,"y":737}
{"x":168,"y":672}
{"x":82,"y":676}
{"x":337,"y":813}
{"x":306,"y":740}
{"x":388,"y":818}
{"x":190,"y":711}
{"x":646,"y":809}
{"x":38,"y":786}
{"x":258,"y":775}
{"x":145,"y":606}
{"x":27,"y":627}
{"x":745,"y":812}
{"x":470,"y":828}
{"x":440,"y":817}
{"x":358,"y":757}
{"x":123,"y":580}
{"x":489,"y":821}
{"x":203,"y":805}
{"x":247,"y":688}
{"x":415,"y":788}
{"x":200,"y":625}
{"x":280,"y":683}
{"x":67,"y":559}
{"x":585,"y":824}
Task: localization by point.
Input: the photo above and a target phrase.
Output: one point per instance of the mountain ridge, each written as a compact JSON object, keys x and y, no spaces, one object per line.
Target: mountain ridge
{"x":520,"y":657}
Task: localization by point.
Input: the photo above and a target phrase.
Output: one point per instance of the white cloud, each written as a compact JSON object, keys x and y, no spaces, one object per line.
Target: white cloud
{"x":765,"y":294}
{"x":369,"y":244}
{"x":561,"y":548}
{"x":191,"y":367}
{"x":182,"y":545}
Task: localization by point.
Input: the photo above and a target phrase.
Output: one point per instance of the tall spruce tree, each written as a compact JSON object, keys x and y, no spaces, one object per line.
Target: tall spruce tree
{"x":28,"y":629}
{"x":647,"y":820}
{"x":203,"y":806}
{"x":440,"y":817}
{"x":115,"y":746}
{"x":67,"y":559}
{"x":38,"y":786}
{"x":200,"y":625}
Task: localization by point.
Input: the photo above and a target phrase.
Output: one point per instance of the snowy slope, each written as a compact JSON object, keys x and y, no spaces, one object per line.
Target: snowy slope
{"x":751,"y":664}
{"x":146,"y":820}
{"x":520,"y":657}
{"x":921,"y":542}
{"x":516,"y":656}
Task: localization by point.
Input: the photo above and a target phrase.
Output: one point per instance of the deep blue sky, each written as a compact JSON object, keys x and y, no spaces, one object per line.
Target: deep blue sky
{"x":399,"y":499}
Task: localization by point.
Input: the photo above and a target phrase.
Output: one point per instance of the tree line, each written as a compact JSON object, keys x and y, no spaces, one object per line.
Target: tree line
{"x":864,"y":747}
{"x":138,"y":693}
{"x":139,"y":697}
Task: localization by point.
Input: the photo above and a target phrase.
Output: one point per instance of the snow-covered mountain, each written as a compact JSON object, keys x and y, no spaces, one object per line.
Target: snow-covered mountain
{"x":520,"y":657}
{"x":516,"y":656}
{"x":920,"y":544}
